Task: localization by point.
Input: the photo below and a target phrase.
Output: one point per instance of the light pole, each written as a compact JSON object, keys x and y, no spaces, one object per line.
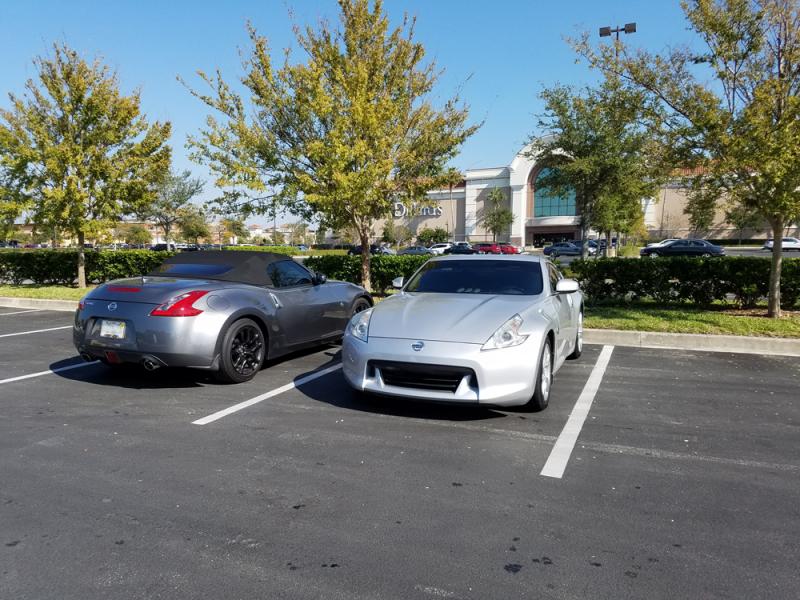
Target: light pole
{"x":606,"y":32}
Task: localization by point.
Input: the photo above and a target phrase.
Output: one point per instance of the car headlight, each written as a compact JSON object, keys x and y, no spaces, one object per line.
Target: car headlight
{"x":507,"y":335}
{"x":359,"y":324}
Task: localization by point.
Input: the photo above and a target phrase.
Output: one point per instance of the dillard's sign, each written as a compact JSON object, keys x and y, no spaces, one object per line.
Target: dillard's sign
{"x":415,"y":210}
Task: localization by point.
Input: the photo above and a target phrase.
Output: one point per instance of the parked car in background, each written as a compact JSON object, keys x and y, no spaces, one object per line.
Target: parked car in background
{"x":163,"y":247}
{"x":223,"y":311}
{"x":301,"y":247}
{"x":373,"y":249}
{"x":683,"y":248}
{"x":508,"y":248}
{"x":486,"y":248}
{"x":483,"y":330}
{"x":662,"y":242}
{"x":460,"y":249}
{"x":789,"y":243}
{"x":440,"y":248}
{"x":591,"y":246}
{"x":562,"y":249}
{"x":415,"y":250}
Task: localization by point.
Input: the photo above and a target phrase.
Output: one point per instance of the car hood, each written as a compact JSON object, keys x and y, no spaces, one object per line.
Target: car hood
{"x":467,"y":318}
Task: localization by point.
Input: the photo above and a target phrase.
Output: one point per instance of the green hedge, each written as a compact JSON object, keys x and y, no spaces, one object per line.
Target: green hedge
{"x":743,"y":280}
{"x":60,"y":267}
{"x":383,"y":268}
{"x":287,"y":250}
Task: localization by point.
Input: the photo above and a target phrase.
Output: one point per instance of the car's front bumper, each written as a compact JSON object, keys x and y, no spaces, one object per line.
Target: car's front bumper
{"x":503,"y":377}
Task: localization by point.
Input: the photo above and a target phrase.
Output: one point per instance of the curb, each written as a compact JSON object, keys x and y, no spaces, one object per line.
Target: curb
{"x":40,"y":303}
{"x":736,"y":344}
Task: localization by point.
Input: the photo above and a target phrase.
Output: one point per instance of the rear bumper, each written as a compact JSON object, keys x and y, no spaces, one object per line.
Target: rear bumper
{"x":168,"y":341}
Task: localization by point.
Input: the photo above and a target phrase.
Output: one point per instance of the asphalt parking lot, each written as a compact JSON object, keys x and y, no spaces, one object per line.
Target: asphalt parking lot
{"x":683,"y":481}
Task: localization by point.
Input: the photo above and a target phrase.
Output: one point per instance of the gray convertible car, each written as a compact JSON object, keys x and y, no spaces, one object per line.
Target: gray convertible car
{"x":225,"y":311}
{"x":479,"y":330}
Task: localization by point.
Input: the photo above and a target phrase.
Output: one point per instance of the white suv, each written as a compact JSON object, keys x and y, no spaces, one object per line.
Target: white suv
{"x":440,"y":248}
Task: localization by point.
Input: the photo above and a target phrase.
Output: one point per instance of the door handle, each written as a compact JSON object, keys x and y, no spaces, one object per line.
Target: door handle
{"x":275,"y":300}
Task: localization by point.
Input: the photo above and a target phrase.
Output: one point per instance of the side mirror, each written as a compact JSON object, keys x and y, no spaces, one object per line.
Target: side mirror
{"x":319,"y":278}
{"x":398,"y":282}
{"x":567,"y":286}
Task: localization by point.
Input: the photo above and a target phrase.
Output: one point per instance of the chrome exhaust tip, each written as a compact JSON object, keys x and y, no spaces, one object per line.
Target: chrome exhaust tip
{"x":150,"y":365}
{"x":87,"y":357}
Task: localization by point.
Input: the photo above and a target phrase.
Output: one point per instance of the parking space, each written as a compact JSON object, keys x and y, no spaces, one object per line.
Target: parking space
{"x":683,"y":482}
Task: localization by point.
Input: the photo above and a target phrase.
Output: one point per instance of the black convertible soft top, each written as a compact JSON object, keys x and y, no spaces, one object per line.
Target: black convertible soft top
{"x":241,"y":266}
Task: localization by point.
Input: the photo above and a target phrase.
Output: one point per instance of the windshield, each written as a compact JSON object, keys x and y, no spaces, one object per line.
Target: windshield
{"x":504,"y":277}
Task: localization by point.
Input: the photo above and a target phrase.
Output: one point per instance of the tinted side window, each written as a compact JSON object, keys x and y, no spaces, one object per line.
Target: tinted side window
{"x":287,"y":273}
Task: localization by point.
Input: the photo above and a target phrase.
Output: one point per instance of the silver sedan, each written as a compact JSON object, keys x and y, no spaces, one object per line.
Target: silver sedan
{"x":480,"y":330}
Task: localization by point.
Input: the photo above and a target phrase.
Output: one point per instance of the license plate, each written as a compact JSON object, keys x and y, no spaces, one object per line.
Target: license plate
{"x":112,"y":329}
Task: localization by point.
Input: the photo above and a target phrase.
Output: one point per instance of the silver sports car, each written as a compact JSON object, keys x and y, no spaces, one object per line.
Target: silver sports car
{"x":479,"y":329}
{"x":226,"y":311}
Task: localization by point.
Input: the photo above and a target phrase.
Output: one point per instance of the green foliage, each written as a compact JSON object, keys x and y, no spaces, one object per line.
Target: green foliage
{"x":389,"y":236}
{"x":599,"y":150}
{"x":428,"y":236}
{"x":699,"y":281}
{"x":384,"y":268}
{"x":732,"y":109}
{"x":75,"y":154}
{"x":171,"y":197}
{"x":343,"y":134}
{"x":60,"y":267}
{"x":287,"y":250}
{"x":134,"y":234}
{"x":498,"y":218}
{"x":193,"y":225}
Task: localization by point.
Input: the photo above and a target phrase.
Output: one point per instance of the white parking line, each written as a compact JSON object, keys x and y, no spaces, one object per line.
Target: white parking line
{"x":284,"y":388}
{"x":35,"y":331}
{"x":562,"y":450}
{"x":19,"y":312}
{"x":48,"y":372}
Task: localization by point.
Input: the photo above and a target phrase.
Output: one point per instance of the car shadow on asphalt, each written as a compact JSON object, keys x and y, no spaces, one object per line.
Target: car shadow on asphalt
{"x":133,"y":376}
{"x":333,"y":389}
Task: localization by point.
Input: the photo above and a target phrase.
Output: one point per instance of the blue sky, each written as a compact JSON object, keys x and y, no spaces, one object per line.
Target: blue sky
{"x":499,"y":53}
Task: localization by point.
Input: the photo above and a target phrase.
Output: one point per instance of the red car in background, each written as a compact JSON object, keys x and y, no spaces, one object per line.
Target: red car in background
{"x":508,"y":248}
{"x":487,"y":248}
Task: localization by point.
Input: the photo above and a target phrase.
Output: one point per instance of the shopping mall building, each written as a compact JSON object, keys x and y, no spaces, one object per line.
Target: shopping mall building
{"x":540,"y":216}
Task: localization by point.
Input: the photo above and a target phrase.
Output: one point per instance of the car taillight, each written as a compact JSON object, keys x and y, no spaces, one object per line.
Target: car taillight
{"x":180,"y":306}
{"x":81,"y":304}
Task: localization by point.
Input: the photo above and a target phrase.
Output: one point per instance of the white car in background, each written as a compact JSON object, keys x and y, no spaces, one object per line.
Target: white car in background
{"x":789,"y":243}
{"x":440,"y":248}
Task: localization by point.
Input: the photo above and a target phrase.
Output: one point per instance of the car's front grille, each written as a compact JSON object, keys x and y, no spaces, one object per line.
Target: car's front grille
{"x":420,"y":376}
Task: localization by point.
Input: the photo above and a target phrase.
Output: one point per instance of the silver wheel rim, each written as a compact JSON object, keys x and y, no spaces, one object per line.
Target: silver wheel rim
{"x":579,"y":344}
{"x":547,"y":373}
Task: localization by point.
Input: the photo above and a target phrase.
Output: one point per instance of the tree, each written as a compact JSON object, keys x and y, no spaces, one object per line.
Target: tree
{"x":428,"y":236}
{"x":733,"y":109}
{"x":389,"y":236}
{"x":742,"y":218}
{"x":172,"y":195}
{"x":345,"y":134}
{"x":134,"y":234}
{"x":75,"y":153}
{"x":319,"y":237}
{"x":297,"y":233}
{"x":235,"y":228}
{"x":597,"y":148}
{"x":193,"y":224}
{"x":403,"y":235}
{"x":277,"y":238}
{"x":499,"y":217}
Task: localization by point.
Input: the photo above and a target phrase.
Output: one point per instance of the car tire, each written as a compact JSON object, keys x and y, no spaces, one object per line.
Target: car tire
{"x":544,"y":380}
{"x":706,"y":255}
{"x":654,"y":255}
{"x":576,"y":353}
{"x":360,"y":305}
{"x":242,"y":352}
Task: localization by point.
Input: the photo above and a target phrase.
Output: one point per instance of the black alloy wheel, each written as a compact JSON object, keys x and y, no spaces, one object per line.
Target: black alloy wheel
{"x":360,"y":305}
{"x":243,"y":350}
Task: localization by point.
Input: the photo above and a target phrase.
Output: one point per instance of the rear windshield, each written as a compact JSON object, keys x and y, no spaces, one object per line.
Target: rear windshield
{"x":193,"y":270}
{"x":519,"y":278}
